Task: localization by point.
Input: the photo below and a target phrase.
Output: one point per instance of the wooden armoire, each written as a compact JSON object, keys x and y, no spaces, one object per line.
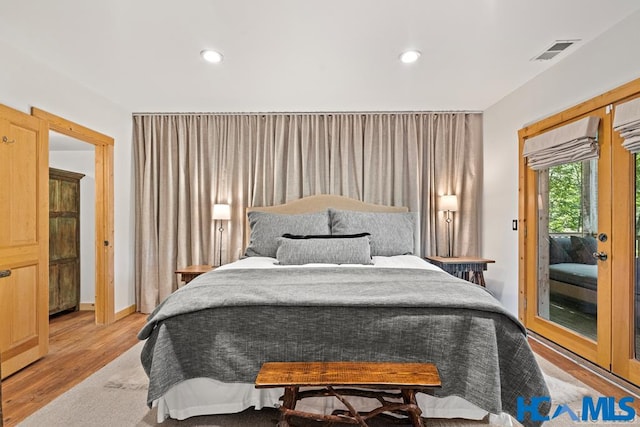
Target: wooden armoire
{"x":64,"y":240}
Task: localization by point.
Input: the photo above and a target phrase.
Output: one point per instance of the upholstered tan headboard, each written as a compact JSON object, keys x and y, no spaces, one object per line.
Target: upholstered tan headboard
{"x":319,"y":203}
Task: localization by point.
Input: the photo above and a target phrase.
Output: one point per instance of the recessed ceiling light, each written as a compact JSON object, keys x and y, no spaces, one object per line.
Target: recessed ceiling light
{"x":410,"y":56}
{"x":211,"y":56}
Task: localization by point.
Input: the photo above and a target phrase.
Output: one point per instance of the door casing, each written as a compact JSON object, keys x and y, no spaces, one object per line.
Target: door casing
{"x":104,"y":306}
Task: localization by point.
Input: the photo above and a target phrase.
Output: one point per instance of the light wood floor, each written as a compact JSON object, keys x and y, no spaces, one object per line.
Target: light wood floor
{"x":78,"y":348}
{"x":596,"y":382}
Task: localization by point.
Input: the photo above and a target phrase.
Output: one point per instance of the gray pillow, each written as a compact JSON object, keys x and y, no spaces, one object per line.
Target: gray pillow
{"x":342,"y":250}
{"x":392,"y":233}
{"x":557,"y":254}
{"x":267,"y":227}
{"x":582,"y":249}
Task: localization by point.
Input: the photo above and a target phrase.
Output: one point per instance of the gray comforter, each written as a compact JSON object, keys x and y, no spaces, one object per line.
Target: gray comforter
{"x":226,"y":323}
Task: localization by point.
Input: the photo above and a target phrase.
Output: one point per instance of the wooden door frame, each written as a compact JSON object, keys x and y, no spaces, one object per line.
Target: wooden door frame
{"x":105,"y":306}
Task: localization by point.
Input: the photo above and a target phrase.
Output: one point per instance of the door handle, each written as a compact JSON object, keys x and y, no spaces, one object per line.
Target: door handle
{"x":5,"y":273}
{"x":602,"y":256}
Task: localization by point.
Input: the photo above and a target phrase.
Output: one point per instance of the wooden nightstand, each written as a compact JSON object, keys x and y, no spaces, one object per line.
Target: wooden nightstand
{"x":189,"y":273}
{"x":467,"y":268}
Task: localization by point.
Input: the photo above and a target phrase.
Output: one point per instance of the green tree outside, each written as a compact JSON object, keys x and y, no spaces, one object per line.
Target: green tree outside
{"x":565,"y":197}
{"x":565,"y":193}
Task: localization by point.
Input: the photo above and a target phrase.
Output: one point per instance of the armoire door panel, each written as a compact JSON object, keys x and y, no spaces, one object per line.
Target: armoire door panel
{"x":53,"y":288}
{"x":53,"y":243}
{"x":53,"y":195}
{"x":68,"y":296}
{"x":66,"y":238}
{"x":68,"y":198}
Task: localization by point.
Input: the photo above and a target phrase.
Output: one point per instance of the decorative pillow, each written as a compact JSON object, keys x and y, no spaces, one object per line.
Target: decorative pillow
{"x":391,"y":233}
{"x":325,"y":236}
{"x":341,"y":250}
{"x":267,"y":227}
{"x":557,"y":254}
{"x":582,"y":249}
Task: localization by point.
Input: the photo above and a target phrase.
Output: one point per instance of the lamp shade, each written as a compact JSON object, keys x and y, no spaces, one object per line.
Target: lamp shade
{"x":221,"y":211}
{"x":448,"y":203}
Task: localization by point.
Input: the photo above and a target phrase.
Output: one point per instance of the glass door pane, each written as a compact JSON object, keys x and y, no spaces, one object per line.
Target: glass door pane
{"x":567,"y":230}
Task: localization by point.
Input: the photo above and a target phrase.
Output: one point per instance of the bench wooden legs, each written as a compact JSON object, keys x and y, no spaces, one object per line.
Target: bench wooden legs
{"x":288,"y":402}
{"x":392,"y":385}
{"x":407,"y":406}
{"x":409,"y":398}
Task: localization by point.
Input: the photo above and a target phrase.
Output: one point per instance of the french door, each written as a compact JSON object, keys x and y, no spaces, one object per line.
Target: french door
{"x":580,"y":244}
{"x":626,"y":272}
{"x":568,"y":250}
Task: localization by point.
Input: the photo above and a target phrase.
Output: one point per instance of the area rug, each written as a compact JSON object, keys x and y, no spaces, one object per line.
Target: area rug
{"x":116,"y":396}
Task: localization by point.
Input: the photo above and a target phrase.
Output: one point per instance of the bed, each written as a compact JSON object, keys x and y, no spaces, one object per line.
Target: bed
{"x":343,"y":284}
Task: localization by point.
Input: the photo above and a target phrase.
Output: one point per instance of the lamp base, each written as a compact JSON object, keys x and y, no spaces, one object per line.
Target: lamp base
{"x":449,"y":242}
{"x":220,"y":230}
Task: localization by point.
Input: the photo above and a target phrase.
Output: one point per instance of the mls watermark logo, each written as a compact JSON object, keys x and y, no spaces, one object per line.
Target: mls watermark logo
{"x":600,"y":409}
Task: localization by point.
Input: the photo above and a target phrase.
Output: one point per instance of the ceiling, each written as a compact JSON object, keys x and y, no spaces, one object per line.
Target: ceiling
{"x":297,"y":55}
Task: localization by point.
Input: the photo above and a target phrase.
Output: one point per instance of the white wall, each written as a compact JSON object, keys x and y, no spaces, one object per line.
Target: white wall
{"x":83,"y":162}
{"x":24,"y":83}
{"x":603,"y":64}
{"x":607,"y":62}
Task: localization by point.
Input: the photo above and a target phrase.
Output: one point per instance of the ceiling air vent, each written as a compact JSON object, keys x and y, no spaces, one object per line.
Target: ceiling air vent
{"x":557,"y":47}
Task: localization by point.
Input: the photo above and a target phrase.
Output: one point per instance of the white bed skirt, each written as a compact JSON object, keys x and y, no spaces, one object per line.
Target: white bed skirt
{"x":205,"y":396}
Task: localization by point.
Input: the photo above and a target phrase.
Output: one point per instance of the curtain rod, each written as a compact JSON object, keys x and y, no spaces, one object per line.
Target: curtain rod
{"x":262,"y":113}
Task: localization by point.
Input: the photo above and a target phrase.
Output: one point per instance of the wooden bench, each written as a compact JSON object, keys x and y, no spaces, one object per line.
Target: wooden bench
{"x":340,"y":379}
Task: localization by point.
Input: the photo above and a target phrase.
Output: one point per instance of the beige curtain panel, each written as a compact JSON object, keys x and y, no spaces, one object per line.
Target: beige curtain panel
{"x":570,"y":143}
{"x":626,"y":121}
{"x":186,"y":163}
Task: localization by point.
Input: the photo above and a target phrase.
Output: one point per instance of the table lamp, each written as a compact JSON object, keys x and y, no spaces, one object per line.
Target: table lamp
{"x":448,"y":203}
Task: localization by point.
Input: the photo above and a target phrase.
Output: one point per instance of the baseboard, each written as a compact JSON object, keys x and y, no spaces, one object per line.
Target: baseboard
{"x":125,"y":312}
{"x":87,"y":306}
{"x":612,"y":378}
